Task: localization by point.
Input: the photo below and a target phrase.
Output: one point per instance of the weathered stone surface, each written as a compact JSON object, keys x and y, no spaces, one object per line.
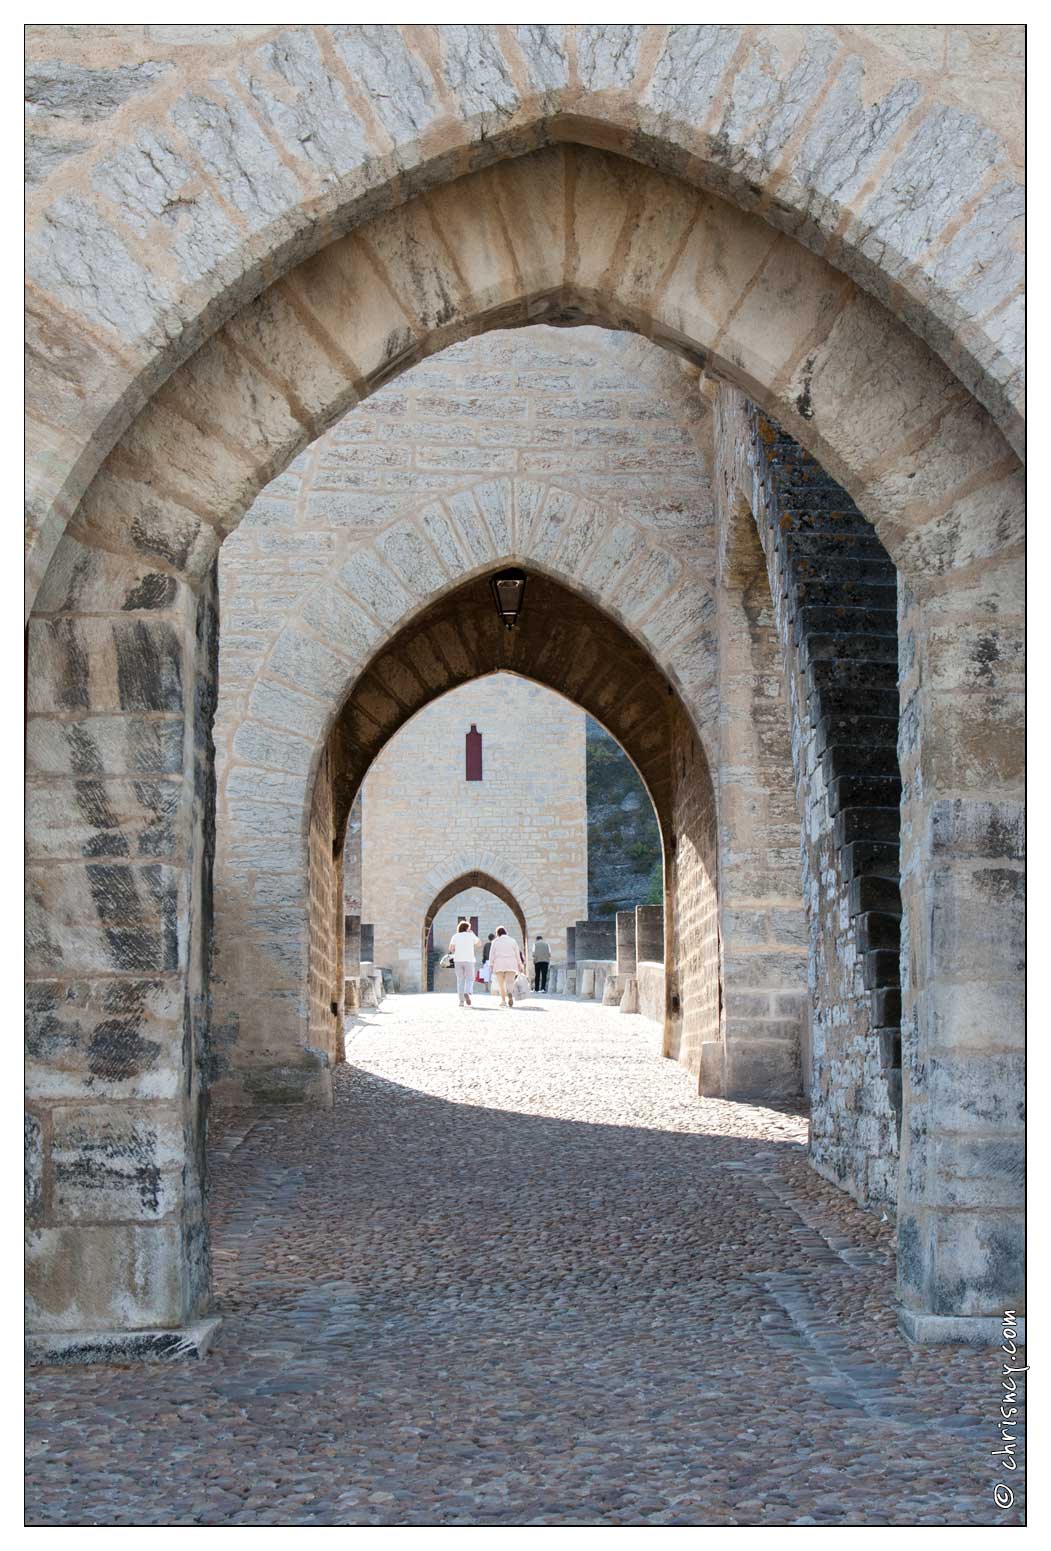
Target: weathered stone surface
{"x":690,"y":70}
{"x":243,"y":162}
{"x":67,"y":90}
{"x":111,"y":1166}
{"x":77,"y":257}
{"x":114,"y":1276}
{"x":607,"y":56}
{"x":119,"y":1038}
{"x":938,"y":172}
{"x":159,"y":193}
{"x":399,"y":88}
{"x":292,"y":88}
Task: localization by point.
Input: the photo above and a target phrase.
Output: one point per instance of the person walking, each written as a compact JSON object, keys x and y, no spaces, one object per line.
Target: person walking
{"x":487,"y":968}
{"x":462,"y":947}
{"x":541,"y":960}
{"x":505,"y":961}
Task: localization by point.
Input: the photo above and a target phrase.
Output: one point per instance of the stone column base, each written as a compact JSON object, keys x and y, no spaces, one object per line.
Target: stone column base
{"x":307,"y":1081}
{"x":63,"y":1349}
{"x":629,"y":1001}
{"x":975,"y":1329}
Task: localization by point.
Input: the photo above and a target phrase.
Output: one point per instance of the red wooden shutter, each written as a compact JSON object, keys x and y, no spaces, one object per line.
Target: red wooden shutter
{"x":474,"y":754}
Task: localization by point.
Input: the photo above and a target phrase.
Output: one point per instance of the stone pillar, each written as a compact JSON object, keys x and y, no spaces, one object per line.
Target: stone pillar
{"x":595,"y":940}
{"x":627,"y":958}
{"x":961,"y":1226}
{"x":587,"y":982}
{"x":351,"y":945}
{"x":118,"y":987}
{"x":367,"y":942}
{"x":611,"y":991}
{"x":649,"y":934}
{"x":629,"y":1001}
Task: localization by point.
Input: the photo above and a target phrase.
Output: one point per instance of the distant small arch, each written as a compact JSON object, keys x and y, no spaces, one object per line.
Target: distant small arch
{"x":474,"y":879}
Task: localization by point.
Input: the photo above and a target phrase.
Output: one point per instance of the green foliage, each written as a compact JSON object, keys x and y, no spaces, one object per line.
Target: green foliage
{"x":624,"y":844}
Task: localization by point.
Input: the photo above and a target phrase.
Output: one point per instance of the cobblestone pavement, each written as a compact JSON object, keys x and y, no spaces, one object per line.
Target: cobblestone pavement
{"x":522,"y":1274}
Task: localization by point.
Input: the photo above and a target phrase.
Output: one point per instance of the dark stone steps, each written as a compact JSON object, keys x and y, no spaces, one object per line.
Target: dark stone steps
{"x":889,"y":1046}
{"x":850,"y":700}
{"x":876,"y":930}
{"x":873,"y":731}
{"x":852,"y":646}
{"x":880,"y":675}
{"x":825,"y":550}
{"x":881,"y":969}
{"x":874,"y":858}
{"x":827,"y":608}
{"x":876,"y":894}
{"x":845,"y":568}
{"x":867,"y":824}
{"x":839,"y":590}
{"x":852,"y":791}
{"x":851,"y":757}
{"x":886,"y":1008}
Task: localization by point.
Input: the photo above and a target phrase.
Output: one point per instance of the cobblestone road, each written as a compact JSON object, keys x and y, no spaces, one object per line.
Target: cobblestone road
{"x":522,"y":1274}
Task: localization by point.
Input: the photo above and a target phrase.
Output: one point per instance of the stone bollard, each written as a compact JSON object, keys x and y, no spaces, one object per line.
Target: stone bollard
{"x":587,"y":982}
{"x":367,"y":991}
{"x":649,"y":934}
{"x":626,"y":958}
{"x":611,"y":992}
{"x":351,"y":1001}
{"x":594,"y":939}
{"x":629,"y":1001}
{"x":351,"y":945}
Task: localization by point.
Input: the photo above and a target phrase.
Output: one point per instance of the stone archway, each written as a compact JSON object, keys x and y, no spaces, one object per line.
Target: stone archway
{"x":471,"y":878}
{"x":571,"y":646}
{"x":245,"y":156}
{"x":122,"y":637}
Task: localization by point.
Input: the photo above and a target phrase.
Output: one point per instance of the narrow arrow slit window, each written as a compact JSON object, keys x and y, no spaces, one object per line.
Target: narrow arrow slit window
{"x":474,"y":754}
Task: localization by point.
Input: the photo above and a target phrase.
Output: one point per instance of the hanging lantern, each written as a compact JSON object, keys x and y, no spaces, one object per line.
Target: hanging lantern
{"x":508,"y":589}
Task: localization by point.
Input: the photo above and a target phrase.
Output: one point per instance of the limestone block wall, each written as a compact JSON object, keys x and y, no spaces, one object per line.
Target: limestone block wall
{"x":766,"y":1012}
{"x":525,"y":822}
{"x":692,"y":910}
{"x":118,"y":1057}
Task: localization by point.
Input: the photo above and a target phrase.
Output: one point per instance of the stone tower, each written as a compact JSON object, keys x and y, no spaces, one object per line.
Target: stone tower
{"x":490,"y":780}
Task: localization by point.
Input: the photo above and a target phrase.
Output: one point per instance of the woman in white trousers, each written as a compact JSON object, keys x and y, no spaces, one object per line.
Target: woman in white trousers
{"x":462,"y":947}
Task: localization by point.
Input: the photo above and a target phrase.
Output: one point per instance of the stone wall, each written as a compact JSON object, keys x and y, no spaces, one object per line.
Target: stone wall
{"x":766,"y":1005}
{"x":326,"y":968}
{"x":525,"y":822}
{"x":117,"y":1051}
{"x":691,"y":911}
